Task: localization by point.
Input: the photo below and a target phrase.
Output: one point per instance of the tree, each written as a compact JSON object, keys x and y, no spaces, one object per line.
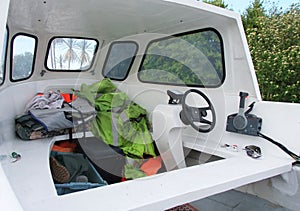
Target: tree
{"x":274,"y":42}
{"x":252,"y":15}
{"x":70,"y":54}
{"x":22,"y":65}
{"x":219,"y":3}
{"x":55,"y":42}
{"x":85,"y":50}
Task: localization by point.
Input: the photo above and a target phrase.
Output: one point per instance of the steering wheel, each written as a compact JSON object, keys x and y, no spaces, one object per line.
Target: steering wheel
{"x":195,"y":116}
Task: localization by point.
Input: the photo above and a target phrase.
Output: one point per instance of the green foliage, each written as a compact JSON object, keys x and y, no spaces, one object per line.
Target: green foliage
{"x":219,"y":3}
{"x":191,"y":59}
{"x":22,"y":66}
{"x":252,"y":14}
{"x":274,"y":42}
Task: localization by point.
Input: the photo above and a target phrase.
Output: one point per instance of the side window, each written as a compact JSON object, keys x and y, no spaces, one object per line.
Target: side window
{"x":193,"y":59}
{"x":71,"y":54}
{"x":23,"y":55}
{"x":119,"y":60}
{"x":2,"y":61}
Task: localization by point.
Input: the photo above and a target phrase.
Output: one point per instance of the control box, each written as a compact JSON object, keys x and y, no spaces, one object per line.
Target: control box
{"x":243,"y":122}
{"x":252,"y":128}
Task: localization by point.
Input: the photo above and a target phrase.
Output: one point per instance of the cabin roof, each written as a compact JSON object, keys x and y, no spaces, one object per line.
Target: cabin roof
{"x":111,"y":19}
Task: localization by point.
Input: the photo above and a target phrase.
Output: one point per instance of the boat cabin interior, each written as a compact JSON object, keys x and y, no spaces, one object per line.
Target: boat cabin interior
{"x":166,"y":81}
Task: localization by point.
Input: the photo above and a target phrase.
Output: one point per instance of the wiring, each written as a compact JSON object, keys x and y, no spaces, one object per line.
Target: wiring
{"x":286,"y":150}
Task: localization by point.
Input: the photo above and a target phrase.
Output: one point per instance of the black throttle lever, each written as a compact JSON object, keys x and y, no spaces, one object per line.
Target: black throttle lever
{"x":240,"y":121}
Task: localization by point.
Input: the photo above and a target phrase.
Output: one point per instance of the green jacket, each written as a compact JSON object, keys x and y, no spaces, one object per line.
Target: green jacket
{"x":119,"y":121}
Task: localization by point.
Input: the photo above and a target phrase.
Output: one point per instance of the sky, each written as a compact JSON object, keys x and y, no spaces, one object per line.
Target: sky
{"x":240,"y":5}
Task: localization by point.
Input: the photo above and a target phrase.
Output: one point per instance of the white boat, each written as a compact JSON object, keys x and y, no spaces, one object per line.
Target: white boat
{"x":167,"y":56}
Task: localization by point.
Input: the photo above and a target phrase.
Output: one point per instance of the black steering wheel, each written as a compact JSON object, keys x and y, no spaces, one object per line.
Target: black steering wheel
{"x":196,"y":116}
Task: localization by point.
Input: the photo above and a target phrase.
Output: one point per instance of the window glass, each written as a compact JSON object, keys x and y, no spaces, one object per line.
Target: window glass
{"x":119,"y":60}
{"x":23,"y":57}
{"x":2,"y":61}
{"x":194,"y":59}
{"x":71,"y":54}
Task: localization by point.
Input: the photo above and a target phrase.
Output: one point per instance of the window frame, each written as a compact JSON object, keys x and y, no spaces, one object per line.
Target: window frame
{"x":12,"y":56}
{"x":5,"y":55}
{"x":183,"y":34}
{"x":131,"y":63}
{"x":66,"y":70}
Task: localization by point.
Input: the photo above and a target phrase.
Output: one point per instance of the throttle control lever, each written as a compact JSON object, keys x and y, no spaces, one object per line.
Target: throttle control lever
{"x":240,"y":121}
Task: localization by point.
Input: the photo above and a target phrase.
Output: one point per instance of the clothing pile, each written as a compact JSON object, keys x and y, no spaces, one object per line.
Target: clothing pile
{"x":49,"y":114}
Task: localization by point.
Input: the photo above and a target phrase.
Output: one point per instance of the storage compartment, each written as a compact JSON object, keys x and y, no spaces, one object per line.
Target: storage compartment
{"x":194,"y":157}
{"x":109,"y":161}
{"x":83,"y":175}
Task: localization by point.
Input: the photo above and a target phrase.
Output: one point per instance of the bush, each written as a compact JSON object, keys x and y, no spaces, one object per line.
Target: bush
{"x":274,"y":42}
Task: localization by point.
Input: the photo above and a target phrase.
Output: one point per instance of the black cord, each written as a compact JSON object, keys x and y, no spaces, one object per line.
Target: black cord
{"x":286,"y":150}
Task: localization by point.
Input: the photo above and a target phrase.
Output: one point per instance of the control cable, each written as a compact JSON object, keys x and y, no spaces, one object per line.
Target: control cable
{"x":286,"y":150}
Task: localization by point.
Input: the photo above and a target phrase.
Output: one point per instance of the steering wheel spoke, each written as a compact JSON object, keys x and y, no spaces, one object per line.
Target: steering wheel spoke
{"x":206,"y":121}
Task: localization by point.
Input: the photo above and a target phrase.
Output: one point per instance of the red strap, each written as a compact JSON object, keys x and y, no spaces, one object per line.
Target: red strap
{"x":68,"y":97}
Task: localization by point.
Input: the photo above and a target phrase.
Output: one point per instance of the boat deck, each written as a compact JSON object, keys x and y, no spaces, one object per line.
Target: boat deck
{"x":31,"y":181}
